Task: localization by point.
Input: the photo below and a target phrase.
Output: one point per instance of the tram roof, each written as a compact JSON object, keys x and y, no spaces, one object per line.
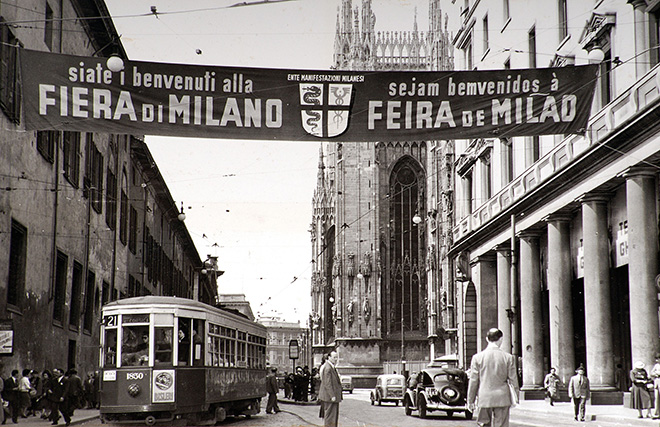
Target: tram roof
{"x":167,"y":301}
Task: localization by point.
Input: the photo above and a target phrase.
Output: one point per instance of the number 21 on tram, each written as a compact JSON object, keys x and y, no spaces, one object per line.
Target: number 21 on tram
{"x":166,"y":358}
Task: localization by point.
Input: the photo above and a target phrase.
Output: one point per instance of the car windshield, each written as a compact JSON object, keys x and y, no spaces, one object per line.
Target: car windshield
{"x":394,"y":381}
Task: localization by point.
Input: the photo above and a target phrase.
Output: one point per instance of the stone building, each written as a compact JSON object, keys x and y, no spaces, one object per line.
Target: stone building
{"x":280,"y":334}
{"x":85,"y":218}
{"x":556,"y":237}
{"x":381,"y":288}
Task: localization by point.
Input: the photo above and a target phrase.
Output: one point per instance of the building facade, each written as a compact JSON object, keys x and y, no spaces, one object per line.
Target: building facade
{"x":85,"y":218}
{"x":381,"y":290}
{"x":280,"y":335}
{"x":556,"y":237}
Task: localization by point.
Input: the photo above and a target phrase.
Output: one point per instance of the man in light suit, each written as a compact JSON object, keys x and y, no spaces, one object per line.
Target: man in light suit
{"x":330,"y":393}
{"x":491,"y":372}
{"x":579,"y":391}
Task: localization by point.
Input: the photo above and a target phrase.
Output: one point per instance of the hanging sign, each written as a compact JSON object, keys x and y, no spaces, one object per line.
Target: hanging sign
{"x":83,"y":94}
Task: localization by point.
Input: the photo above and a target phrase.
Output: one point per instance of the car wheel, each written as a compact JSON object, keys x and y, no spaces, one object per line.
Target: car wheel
{"x":468,"y":415}
{"x":406,"y":405}
{"x":422,"y":408}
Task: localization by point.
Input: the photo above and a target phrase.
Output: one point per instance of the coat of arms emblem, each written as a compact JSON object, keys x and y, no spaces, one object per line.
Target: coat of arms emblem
{"x":325,"y":108}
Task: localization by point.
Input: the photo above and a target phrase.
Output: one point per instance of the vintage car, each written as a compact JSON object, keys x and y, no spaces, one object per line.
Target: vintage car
{"x":389,"y":388}
{"x":346,"y":383}
{"x":438,"y":389}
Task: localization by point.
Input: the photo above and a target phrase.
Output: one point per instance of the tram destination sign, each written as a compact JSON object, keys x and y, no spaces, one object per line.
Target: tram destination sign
{"x":83,"y":94}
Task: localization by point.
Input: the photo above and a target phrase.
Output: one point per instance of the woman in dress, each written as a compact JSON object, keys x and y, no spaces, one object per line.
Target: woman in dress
{"x":640,"y":398}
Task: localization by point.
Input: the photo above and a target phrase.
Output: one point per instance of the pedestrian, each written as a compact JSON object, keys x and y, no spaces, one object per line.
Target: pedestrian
{"x":46,"y":379}
{"x":11,"y":395}
{"x":330,"y":393}
{"x":551,"y":384}
{"x":655,"y":377}
{"x":640,"y":398}
{"x":494,"y":381}
{"x":24,"y":388}
{"x":288,"y":385}
{"x":271,"y":389}
{"x":579,"y":391}
{"x":620,"y":378}
{"x":315,"y":383}
{"x":3,"y":415}
{"x":55,"y":393}
{"x":75,"y":390}
{"x":71,"y":396}
{"x":35,"y":392}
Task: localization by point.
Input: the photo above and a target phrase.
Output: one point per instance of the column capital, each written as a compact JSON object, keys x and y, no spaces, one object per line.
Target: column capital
{"x":640,"y":171}
{"x":486,"y":257}
{"x":637,"y":3}
{"x":528,"y":234}
{"x":503,"y":247}
{"x":558,"y":217}
{"x":595,"y":197}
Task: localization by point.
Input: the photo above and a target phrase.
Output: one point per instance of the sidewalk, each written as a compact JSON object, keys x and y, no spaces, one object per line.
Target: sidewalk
{"x":79,"y":417}
{"x":564,"y":411}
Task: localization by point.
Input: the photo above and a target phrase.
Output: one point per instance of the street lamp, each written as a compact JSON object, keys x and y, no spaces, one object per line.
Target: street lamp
{"x":115,"y":63}
{"x":416,"y":218}
{"x":182,"y":215}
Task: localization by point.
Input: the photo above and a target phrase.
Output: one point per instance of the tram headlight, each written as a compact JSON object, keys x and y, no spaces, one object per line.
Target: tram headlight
{"x":134,"y":390}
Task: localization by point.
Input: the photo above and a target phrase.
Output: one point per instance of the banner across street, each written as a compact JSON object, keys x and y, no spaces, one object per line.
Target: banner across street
{"x":83,"y":94}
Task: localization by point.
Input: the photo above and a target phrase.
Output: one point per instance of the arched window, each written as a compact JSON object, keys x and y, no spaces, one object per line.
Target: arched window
{"x":407,"y":283}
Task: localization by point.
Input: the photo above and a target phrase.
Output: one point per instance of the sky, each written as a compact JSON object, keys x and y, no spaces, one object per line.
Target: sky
{"x":247,"y":202}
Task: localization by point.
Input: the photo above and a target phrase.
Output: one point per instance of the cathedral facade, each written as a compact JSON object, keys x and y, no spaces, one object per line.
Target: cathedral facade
{"x":381,"y":286}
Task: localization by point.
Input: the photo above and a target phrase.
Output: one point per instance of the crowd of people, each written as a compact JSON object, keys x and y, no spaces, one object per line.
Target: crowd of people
{"x":302,"y":385}
{"x":51,"y":395}
{"x":644,"y":388}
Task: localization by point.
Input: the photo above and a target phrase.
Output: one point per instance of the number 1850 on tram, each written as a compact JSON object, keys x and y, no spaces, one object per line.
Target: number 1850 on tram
{"x":165,"y":358}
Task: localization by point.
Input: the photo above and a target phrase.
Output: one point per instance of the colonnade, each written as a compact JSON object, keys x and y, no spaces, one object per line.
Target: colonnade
{"x":641,"y":195}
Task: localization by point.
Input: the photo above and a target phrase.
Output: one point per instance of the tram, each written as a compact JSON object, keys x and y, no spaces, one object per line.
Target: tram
{"x":168,"y":358}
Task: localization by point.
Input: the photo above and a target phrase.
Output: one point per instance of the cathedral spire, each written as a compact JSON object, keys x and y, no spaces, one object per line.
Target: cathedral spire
{"x":320,"y":180}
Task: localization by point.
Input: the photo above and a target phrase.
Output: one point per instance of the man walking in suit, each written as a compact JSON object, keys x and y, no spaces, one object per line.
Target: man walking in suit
{"x":579,"y":391}
{"x":55,"y":395}
{"x":330,"y":393}
{"x":271,"y":389}
{"x":11,"y":394}
{"x":492,"y":372}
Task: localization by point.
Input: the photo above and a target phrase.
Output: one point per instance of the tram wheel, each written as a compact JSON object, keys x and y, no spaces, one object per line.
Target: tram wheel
{"x":150,"y":420}
{"x":220,"y":415}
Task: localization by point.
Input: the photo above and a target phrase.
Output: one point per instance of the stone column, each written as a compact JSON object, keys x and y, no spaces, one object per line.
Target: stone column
{"x":504,"y":295}
{"x":562,"y":347}
{"x":643,"y":263}
{"x":597,"y":311}
{"x":485,"y":280}
{"x":530,"y":312}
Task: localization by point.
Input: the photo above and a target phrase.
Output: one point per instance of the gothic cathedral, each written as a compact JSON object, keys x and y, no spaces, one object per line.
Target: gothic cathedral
{"x":382,"y":287}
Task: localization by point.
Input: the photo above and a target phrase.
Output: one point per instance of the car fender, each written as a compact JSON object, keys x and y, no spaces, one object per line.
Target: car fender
{"x":420,"y":397}
{"x":410,"y":395}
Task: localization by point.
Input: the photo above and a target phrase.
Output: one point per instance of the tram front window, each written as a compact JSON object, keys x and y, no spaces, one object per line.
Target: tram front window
{"x":163,"y":354}
{"x":135,"y":346}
